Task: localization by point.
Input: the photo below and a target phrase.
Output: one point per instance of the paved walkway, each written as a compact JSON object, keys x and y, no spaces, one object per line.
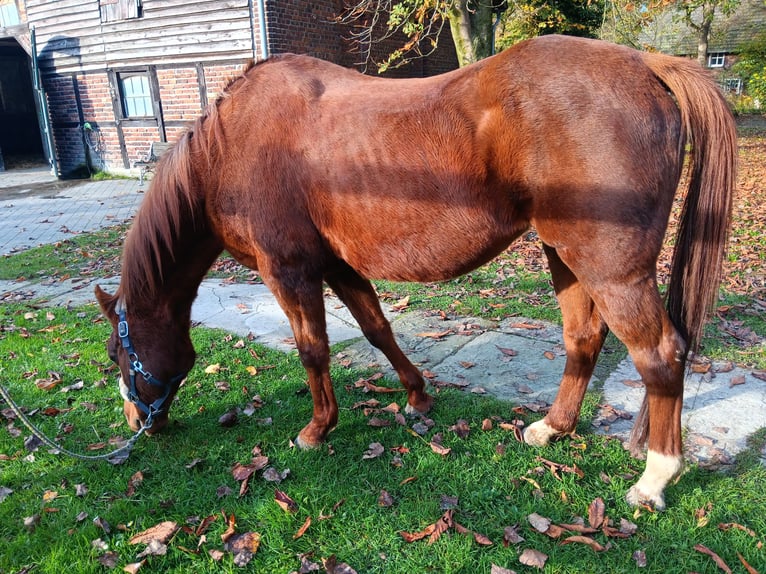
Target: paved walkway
{"x":722,"y":407}
{"x":36,"y":208}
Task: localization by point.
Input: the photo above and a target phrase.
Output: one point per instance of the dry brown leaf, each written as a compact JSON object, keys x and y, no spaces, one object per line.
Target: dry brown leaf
{"x":302,"y":530}
{"x":373,"y":451}
{"x":385,"y":499}
{"x":231,"y":521}
{"x":414,"y":536}
{"x":746,"y":564}
{"x":243,"y":547}
{"x":578,"y":539}
{"x":534,"y":558}
{"x":441,"y":526}
{"x":717,"y":559}
{"x":495,"y":569}
{"x":511,"y":535}
{"x":284,"y":501}
{"x":596,"y":513}
{"x":133,"y":567}
{"x":539,"y":523}
{"x":436,"y":335}
{"x":439,"y":449}
{"x":161,"y":532}
{"x":506,"y":351}
{"x":135,"y":480}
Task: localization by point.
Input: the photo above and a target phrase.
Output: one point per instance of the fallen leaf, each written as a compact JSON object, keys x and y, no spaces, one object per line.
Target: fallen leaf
{"x":461,"y":428}
{"x":495,"y":569}
{"x":109,"y":560}
{"x":102,"y":524}
{"x":161,"y":532}
{"x":385,"y":499}
{"x":717,"y":559}
{"x":511,"y":535}
{"x":440,"y":449}
{"x":746,"y":564}
{"x":284,"y":501}
{"x":441,"y":526}
{"x":401,"y":304}
{"x":640,"y":558}
{"x":231,"y":522}
{"x":378,"y":422}
{"x":507,"y":352}
{"x":135,"y":480}
{"x":434,"y":334}
{"x":737,"y":380}
{"x":332,"y":566}
{"x":539,"y":523}
{"x":534,"y":558}
{"x":302,"y":530}
{"x":578,"y":539}
{"x":596,"y":513}
{"x":243,"y":547}
{"x":228,"y":419}
{"x":271,"y":474}
{"x":154,"y":548}
{"x":374,"y":451}
{"x":213,"y":369}
{"x":133,"y":567}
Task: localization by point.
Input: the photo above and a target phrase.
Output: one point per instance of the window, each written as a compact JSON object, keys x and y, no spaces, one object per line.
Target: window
{"x":9,"y":15}
{"x":116,"y":10}
{"x":136,"y":94}
{"x":731,"y":85}
{"x":716,"y":59}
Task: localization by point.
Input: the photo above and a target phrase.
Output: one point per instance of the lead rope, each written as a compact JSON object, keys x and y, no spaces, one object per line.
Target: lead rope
{"x":116,"y":456}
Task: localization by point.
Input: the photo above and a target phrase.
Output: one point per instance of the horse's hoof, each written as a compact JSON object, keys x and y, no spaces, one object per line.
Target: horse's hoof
{"x":539,"y":433}
{"x":413,"y":411}
{"x":637,"y":498}
{"x":305,"y":445}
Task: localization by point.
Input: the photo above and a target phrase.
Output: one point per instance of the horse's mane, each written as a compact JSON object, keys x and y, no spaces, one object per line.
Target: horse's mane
{"x":171,"y":213}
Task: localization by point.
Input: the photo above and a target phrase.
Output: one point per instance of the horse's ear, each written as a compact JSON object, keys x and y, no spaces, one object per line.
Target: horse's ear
{"x":107,"y":303}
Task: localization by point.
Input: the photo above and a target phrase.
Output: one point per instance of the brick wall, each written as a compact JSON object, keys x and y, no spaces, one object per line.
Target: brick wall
{"x":294,"y":26}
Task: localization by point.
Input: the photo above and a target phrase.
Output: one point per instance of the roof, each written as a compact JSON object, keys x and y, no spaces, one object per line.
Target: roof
{"x":670,"y":35}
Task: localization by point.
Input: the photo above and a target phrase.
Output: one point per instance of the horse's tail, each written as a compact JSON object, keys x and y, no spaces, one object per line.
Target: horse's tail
{"x":706,"y":213}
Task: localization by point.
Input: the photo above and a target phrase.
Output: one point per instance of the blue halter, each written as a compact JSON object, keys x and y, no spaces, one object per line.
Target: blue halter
{"x":136,"y":367}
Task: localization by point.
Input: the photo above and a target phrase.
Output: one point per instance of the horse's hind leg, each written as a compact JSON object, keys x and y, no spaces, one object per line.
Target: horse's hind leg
{"x":359,"y":296}
{"x":584,"y":333}
{"x":633,"y":309}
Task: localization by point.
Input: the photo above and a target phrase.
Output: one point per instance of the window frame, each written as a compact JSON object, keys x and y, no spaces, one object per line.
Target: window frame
{"x":119,"y":10}
{"x":716,"y":59}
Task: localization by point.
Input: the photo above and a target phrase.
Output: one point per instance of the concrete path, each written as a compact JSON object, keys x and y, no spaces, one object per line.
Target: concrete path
{"x":516,"y":359}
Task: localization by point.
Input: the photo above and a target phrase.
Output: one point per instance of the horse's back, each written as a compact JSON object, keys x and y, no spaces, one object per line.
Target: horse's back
{"x":424,"y":179}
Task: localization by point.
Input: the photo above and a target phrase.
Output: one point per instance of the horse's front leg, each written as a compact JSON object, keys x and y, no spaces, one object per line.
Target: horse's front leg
{"x":300,"y":297}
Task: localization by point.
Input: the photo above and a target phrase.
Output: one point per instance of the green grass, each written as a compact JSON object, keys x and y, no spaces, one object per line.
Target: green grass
{"x":495,"y":488}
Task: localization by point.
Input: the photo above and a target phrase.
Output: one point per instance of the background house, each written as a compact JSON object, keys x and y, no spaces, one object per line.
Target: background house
{"x":668,"y":34}
{"x":116,"y":75}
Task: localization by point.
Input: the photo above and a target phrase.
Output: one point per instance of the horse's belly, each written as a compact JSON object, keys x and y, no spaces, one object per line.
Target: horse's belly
{"x":423,"y":248}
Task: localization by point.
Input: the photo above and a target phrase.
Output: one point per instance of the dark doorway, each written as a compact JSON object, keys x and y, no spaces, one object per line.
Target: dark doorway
{"x":20,"y":136}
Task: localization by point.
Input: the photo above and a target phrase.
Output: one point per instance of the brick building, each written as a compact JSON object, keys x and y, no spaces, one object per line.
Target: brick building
{"x":105,"y":78}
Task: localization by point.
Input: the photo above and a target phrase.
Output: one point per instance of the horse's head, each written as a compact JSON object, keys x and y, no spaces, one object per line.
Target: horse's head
{"x":154,"y":353}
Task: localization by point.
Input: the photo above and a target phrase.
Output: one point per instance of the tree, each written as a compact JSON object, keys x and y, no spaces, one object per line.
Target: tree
{"x":420,"y":23}
{"x":699,"y":16}
{"x":530,"y":18}
{"x":473,"y":24}
{"x":751,"y":66}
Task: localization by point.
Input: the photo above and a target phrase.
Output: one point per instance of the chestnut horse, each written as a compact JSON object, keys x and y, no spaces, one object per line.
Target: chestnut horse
{"x":313,"y":173}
